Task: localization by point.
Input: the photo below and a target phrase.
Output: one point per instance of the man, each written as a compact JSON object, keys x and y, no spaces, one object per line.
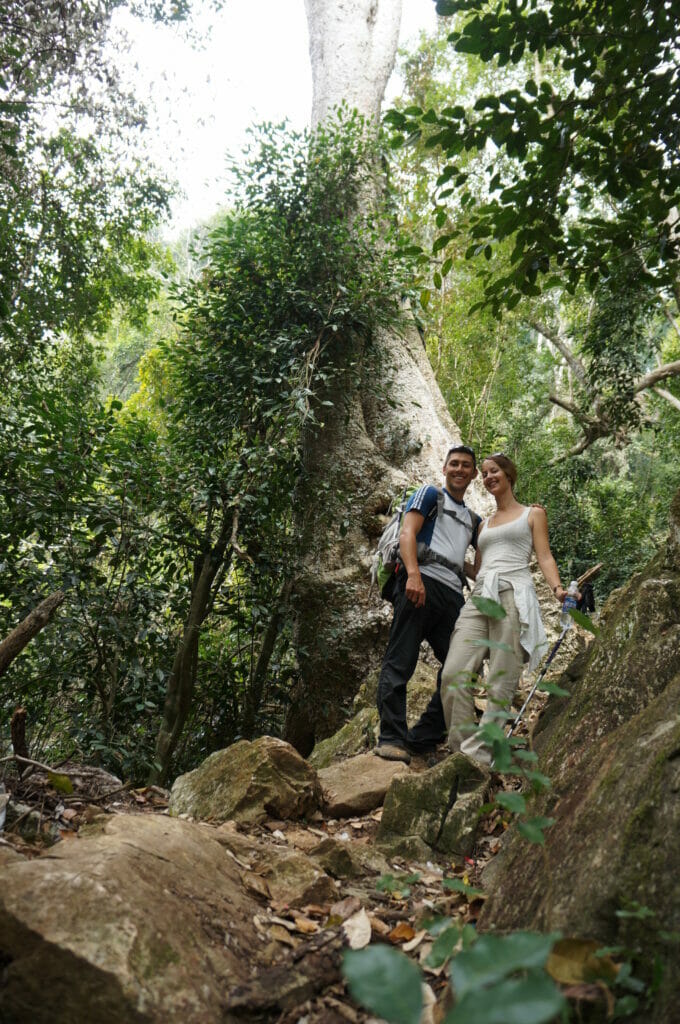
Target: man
{"x":428,"y":597}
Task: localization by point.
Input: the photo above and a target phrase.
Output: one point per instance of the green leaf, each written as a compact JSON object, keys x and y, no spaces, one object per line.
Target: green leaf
{"x":440,"y":243}
{"x":494,"y":645}
{"x":386,"y":982}
{"x":531,"y":1000}
{"x":513,"y":802}
{"x":443,"y":947}
{"x":458,"y":885}
{"x":486,"y":606}
{"x":583,"y":620}
{"x":60,"y":782}
{"x":532,"y":830}
{"x":554,"y":689}
{"x":494,"y":957}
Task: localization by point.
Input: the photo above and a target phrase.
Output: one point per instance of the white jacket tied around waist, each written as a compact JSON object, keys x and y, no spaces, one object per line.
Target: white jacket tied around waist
{"x":506,"y":553}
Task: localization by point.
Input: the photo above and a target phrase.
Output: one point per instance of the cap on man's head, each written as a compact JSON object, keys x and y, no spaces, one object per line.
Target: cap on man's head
{"x":462,"y":448}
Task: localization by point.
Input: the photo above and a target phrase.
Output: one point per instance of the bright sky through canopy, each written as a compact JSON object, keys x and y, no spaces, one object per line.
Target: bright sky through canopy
{"x":252,"y":66}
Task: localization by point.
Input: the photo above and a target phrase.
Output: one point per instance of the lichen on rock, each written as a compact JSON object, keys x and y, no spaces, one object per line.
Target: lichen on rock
{"x":249,"y":782}
{"x":434,"y":811}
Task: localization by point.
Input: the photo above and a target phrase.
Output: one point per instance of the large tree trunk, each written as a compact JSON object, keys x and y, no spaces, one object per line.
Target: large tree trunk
{"x":368,"y":448}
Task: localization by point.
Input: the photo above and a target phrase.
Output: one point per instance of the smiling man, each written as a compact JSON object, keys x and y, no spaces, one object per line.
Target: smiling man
{"x":438,"y":528}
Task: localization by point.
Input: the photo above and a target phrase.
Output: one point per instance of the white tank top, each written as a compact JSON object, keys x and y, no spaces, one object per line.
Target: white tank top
{"x":506,"y":549}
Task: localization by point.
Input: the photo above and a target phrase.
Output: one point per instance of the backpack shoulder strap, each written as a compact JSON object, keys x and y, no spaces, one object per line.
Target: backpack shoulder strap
{"x":476,"y":523}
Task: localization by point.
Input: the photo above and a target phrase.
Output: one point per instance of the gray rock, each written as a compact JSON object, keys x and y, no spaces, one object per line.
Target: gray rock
{"x":141,"y":919}
{"x":436,"y":810}
{"x":249,"y":782}
{"x":358,"y":785}
{"x":289,"y":876}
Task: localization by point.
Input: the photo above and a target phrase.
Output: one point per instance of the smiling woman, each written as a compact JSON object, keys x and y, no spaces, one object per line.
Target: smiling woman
{"x":502,"y":619}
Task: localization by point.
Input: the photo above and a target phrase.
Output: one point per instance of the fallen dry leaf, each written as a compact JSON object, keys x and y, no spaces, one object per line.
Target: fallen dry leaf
{"x":429,"y":1004}
{"x":69,"y":814}
{"x":403,"y":932}
{"x":345,"y":908}
{"x":315,"y":910}
{"x":357,"y":928}
{"x":278,"y":932}
{"x":379,"y":926}
{"x":414,"y":942}
{"x":283,"y":923}
{"x":303,"y":924}
{"x":573,"y":961}
{"x":255,"y":883}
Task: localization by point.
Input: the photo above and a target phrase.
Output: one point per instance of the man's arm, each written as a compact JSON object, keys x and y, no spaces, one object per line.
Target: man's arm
{"x":408,"y":550}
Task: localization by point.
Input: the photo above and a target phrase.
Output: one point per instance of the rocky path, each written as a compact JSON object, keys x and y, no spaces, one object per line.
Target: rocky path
{"x":236,"y":901}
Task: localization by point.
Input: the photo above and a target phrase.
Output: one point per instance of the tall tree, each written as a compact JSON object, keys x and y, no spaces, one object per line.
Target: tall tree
{"x":384,"y":421}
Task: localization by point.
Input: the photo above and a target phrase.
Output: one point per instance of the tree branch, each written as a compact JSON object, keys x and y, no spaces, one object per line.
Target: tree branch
{"x":658,"y":373}
{"x":577,"y":367}
{"x":662,"y":393}
{"x":567,"y":405}
{"x":22,"y":634}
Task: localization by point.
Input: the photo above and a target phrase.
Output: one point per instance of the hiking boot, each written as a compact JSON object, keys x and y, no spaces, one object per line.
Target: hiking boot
{"x":391,"y":752}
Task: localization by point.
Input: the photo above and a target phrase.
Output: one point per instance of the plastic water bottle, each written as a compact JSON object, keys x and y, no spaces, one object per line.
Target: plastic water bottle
{"x":570,"y":601}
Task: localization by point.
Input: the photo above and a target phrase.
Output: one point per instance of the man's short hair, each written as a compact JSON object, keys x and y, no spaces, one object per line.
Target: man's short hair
{"x":462,"y":448}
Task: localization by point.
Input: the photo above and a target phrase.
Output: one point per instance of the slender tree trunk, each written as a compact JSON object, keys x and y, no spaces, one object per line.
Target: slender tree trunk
{"x":256,"y":689}
{"x":182,"y":678}
{"x":369,"y":448}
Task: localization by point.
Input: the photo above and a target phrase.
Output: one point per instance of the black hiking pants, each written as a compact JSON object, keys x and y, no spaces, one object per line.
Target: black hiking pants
{"x":433,"y":622}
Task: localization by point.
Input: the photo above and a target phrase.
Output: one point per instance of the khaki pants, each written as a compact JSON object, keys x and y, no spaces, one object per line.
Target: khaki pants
{"x":465,"y":659}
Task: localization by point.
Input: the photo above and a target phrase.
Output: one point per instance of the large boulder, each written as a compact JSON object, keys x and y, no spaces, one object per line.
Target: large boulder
{"x":144,"y":919}
{"x":358,"y":785}
{"x":613,"y":753}
{"x":434,"y":811}
{"x":248,"y":782}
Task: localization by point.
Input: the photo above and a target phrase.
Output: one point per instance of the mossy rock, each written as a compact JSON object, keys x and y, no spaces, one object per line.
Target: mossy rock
{"x":612,"y":751}
{"x":434,"y":811}
{"x":355,"y":737}
{"x":361,"y":732}
{"x":249,"y":782}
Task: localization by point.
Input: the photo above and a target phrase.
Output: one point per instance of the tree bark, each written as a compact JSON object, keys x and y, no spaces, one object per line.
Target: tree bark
{"x":368,"y":448}
{"x":22,"y":634}
{"x":182,"y":678}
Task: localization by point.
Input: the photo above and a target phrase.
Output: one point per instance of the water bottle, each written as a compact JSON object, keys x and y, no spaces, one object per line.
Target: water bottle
{"x":570,"y":601}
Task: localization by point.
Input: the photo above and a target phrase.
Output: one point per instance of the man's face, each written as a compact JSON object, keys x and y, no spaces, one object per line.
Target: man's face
{"x":459,"y":471}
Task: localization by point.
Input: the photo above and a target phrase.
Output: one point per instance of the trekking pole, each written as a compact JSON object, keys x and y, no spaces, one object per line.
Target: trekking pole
{"x":532,"y":691}
{"x":586,"y":602}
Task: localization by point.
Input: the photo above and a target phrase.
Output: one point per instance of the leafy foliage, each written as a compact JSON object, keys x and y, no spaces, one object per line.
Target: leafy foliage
{"x":601,"y":140}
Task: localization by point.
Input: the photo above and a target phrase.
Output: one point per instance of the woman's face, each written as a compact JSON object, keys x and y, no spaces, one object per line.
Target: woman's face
{"x":495,"y":479}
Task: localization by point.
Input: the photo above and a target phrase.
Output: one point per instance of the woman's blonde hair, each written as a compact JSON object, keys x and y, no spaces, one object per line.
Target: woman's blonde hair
{"x":506,"y":464}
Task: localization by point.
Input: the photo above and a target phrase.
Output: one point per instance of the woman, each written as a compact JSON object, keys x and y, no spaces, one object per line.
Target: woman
{"x":504,"y":550}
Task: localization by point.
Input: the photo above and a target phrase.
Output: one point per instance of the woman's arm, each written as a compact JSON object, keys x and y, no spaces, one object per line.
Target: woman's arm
{"x":472,"y":568}
{"x":538,"y":521}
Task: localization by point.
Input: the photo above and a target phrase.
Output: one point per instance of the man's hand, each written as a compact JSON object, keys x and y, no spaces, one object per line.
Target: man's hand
{"x":415,"y":589}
